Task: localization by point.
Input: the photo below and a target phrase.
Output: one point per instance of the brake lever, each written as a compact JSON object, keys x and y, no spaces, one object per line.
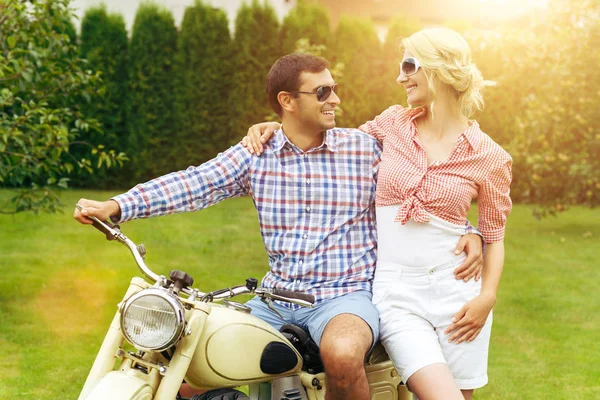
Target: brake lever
{"x":269,"y":304}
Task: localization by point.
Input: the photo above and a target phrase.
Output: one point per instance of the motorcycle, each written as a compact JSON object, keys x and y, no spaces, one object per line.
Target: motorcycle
{"x":167,"y":332}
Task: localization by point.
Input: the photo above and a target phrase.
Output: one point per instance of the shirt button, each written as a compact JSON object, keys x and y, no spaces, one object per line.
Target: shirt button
{"x":300,"y":262}
{"x":305,"y":236}
{"x":308,"y":181}
{"x":298,"y":281}
{"x":308,"y":209}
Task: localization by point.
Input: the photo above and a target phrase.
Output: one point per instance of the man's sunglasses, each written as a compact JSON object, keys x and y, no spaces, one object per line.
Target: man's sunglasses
{"x":322,"y":92}
{"x":409,"y":66}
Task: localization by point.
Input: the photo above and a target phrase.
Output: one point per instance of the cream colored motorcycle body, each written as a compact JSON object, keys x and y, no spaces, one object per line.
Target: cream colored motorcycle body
{"x":167,"y":332}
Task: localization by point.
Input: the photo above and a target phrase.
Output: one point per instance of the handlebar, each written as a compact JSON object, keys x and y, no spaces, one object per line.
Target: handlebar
{"x":294,"y":295}
{"x":301,"y":299}
{"x":113,"y":232}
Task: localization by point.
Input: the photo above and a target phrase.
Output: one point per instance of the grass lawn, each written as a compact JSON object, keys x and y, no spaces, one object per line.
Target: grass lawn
{"x":60,"y":283}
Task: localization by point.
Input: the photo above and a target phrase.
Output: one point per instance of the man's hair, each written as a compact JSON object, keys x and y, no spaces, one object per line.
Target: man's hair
{"x":284,"y":75}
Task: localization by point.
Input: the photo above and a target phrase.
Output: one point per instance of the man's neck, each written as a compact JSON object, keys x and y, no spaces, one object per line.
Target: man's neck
{"x":300,"y":136}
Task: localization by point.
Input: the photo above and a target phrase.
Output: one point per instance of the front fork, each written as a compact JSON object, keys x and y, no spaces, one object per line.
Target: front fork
{"x":180,"y":362}
{"x":174,"y":374}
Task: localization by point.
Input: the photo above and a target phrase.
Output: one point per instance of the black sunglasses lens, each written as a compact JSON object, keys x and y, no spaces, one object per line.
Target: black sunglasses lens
{"x":323,"y":93}
{"x":408,"y":67}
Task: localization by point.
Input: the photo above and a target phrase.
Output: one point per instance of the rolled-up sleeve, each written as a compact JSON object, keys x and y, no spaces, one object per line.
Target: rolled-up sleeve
{"x":494,"y":201}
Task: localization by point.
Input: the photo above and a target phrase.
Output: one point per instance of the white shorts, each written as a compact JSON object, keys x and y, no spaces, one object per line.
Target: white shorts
{"x":416,"y":306}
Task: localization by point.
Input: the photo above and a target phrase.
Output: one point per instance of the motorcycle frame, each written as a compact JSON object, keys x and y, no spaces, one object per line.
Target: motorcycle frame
{"x":384,"y":381}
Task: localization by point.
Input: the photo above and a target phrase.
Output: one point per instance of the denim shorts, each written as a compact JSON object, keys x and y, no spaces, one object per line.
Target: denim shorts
{"x":314,"y":320}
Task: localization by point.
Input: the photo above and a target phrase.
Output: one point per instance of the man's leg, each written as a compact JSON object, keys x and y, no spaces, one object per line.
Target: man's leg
{"x":344,"y":346}
{"x":345,"y":328}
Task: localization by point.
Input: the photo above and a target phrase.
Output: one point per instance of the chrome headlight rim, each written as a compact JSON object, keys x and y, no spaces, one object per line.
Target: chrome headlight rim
{"x":175,"y":304}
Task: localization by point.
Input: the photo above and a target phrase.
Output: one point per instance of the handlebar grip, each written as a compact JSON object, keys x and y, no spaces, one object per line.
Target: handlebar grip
{"x":295,"y":295}
{"x":102,"y":229}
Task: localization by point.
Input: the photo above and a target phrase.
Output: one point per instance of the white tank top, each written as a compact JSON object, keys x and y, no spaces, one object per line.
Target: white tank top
{"x":415,"y":245}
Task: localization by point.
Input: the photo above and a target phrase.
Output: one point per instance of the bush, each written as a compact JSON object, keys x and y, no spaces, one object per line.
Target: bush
{"x":44,"y":84}
{"x":544,"y":109}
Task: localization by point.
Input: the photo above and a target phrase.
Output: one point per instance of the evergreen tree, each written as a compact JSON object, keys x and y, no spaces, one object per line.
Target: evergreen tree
{"x":203,"y":83}
{"x":256,"y":48}
{"x":152,"y":96}
{"x":357,"y":47}
{"x":391,"y":56}
{"x":104,"y":45}
{"x":306,"y":21}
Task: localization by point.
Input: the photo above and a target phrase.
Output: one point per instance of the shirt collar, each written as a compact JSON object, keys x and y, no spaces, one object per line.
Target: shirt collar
{"x":472,"y":133}
{"x":280,"y":139}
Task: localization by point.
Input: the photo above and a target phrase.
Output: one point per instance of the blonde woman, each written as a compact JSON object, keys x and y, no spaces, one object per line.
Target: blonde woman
{"x":435,"y":161}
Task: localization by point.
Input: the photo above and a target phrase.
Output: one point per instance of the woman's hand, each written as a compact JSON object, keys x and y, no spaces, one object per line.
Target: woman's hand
{"x":472,"y":267}
{"x":259,"y":134}
{"x":468,"y":322}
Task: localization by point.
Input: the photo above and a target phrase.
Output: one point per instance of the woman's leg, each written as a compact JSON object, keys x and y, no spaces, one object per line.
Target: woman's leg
{"x":434,"y":382}
{"x":411,"y":340}
{"x":467,"y":360}
{"x":468,"y":393}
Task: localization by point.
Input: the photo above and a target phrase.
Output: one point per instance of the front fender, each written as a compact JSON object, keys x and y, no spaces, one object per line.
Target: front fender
{"x":118,"y":385}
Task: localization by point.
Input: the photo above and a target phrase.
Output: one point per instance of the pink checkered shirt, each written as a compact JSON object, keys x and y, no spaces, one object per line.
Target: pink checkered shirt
{"x":477,"y":168}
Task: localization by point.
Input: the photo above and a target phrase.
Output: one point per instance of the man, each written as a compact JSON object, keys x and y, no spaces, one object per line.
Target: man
{"x":314,"y":190}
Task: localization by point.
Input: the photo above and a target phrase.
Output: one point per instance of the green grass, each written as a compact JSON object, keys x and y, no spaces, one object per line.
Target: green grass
{"x":60,"y":283}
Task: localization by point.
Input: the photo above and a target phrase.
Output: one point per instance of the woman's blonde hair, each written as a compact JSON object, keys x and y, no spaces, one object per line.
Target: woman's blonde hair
{"x":446,"y":56}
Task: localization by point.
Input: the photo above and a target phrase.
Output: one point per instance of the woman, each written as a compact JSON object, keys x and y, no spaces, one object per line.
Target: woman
{"x":435,"y":161}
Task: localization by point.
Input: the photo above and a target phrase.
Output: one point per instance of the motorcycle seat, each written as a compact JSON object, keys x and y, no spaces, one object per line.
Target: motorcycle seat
{"x":311,"y":355}
{"x":306,"y":346}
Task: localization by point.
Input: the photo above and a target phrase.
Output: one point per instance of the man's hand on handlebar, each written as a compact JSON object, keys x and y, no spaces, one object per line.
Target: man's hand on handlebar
{"x":102,"y":210}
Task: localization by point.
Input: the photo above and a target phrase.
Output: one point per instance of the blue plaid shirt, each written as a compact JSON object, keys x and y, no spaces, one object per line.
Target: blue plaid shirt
{"x":316,"y":208}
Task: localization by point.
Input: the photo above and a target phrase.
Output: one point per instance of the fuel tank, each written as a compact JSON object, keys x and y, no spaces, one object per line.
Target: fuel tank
{"x":237,"y":348}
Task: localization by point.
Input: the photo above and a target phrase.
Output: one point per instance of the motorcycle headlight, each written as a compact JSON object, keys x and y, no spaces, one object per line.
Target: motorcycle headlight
{"x":152,"y":320}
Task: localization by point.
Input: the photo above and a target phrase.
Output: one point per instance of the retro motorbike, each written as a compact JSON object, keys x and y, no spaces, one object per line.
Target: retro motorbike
{"x":166,"y":332}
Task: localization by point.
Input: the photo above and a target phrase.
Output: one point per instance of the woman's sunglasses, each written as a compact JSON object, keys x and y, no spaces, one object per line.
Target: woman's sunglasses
{"x":409,"y":66}
{"x":322,"y":92}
